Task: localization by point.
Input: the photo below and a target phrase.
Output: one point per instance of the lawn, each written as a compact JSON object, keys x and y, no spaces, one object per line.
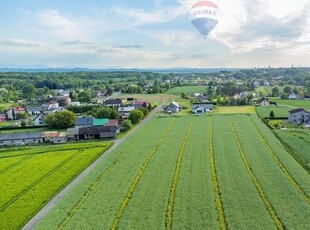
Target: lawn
{"x":187,"y":89}
{"x":264,"y":90}
{"x":292,"y":103}
{"x":297,"y":142}
{"x":279,"y":111}
{"x":233,"y":110}
{"x":191,"y":172}
{"x":31,"y":176}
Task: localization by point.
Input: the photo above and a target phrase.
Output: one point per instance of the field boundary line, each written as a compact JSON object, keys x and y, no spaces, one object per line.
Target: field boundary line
{"x":259,"y":188}
{"x":280,"y":164}
{"x":15,"y":164}
{"x":173,"y":187}
{"x":215,"y":184}
{"x":81,"y":201}
{"x":137,"y":178}
{"x":38,"y":181}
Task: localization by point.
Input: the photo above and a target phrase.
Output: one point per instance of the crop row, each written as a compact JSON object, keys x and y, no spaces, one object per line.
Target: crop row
{"x":284,"y":198}
{"x":260,"y":191}
{"x":194,"y":205}
{"x":169,"y":212}
{"x":281,"y":166}
{"x":137,"y":178}
{"x":108,"y":194}
{"x":26,"y":201}
{"x":92,"y":186}
{"x":148,"y":204}
{"x":215,"y":184}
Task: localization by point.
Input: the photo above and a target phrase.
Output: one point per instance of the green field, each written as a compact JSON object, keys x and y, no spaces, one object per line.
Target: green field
{"x":279,"y":111}
{"x":191,"y":172}
{"x":292,"y":103}
{"x":264,"y":90}
{"x":187,"y":89}
{"x":233,"y":110}
{"x":298,"y":143}
{"x":31,"y":176}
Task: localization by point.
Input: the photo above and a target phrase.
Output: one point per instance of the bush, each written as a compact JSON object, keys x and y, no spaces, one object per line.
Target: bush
{"x":135,"y":116}
{"x":126,"y":125}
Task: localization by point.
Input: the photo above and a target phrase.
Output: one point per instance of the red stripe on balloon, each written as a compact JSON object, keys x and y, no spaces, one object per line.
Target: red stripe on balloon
{"x":204,"y":3}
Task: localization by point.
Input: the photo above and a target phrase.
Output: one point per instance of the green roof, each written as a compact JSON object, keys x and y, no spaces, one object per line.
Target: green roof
{"x":100,"y":122}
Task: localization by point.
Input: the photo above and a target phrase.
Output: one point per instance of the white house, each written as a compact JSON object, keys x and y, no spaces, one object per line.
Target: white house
{"x":173,"y":107}
{"x":124,"y":111}
{"x":292,"y":96}
{"x":202,"y":108}
{"x":299,"y":116}
{"x":39,"y":120}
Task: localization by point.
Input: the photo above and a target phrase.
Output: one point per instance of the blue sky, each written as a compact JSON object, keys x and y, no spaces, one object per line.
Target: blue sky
{"x":153,"y":33}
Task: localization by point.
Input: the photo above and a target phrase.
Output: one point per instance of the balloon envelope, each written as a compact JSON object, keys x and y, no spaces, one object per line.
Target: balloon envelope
{"x":204,"y":16}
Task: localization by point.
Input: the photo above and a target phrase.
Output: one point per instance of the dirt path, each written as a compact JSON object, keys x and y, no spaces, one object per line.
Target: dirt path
{"x":58,"y":196}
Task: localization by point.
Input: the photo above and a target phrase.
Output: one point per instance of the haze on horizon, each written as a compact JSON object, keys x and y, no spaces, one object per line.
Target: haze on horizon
{"x":154,"y":33}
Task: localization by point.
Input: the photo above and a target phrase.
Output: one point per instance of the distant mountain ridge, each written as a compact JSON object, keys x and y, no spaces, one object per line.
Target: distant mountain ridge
{"x":46,"y":69}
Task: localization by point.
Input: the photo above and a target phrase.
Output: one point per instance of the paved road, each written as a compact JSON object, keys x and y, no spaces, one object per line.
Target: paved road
{"x":56,"y":198}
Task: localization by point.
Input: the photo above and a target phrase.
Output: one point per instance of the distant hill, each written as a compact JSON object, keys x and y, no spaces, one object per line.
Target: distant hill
{"x":181,"y":70}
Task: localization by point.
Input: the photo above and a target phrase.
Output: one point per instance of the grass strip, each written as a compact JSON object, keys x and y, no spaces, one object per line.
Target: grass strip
{"x":281,"y":166}
{"x":259,"y":188}
{"x":215,"y":184}
{"x":81,"y":201}
{"x":169,"y":212}
{"x":29,"y":187}
{"x":137,"y":178}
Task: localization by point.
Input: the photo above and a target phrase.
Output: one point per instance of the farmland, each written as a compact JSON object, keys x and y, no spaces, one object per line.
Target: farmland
{"x":187,"y":89}
{"x":292,"y":103}
{"x":298,"y":143}
{"x":191,"y":172}
{"x":279,"y":111}
{"x":31,"y":176}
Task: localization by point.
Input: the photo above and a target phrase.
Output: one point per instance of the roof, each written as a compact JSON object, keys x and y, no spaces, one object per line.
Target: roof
{"x":262,"y":99}
{"x":297,"y":110}
{"x":50,"y":134}
{"x":174,"y":103}
{"x":140,"y":102}
{"x":19,"y":109}
{"x":113,"y":101}
{"x":39,"y":108}
{"x":112,"y":122}
{"x":84,"y":121}
{"x":20,"y":136}
{"x":126,"y":109}
{"x":100,"y":122}
{"x":91,"y":130}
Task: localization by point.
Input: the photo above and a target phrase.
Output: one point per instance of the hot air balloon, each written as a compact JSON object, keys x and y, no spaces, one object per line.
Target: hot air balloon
{"x":204,"y":16}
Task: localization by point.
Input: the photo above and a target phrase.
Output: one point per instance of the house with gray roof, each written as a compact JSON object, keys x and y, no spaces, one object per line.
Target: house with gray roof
{"x":299,"y":116}
{"x":202,"y":108}
{"x":173,"y":107}
{"x":83,"y":121}
{"x":27,"y":138}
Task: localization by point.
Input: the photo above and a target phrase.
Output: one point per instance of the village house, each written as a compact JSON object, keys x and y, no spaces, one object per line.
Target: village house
{"x":173,"y":107}
{"x":12,"y":113}
{"x":140,"y":104}
{"x":50,"y":105}
{"x":111,"y":129}
{"x":299,"y":116}
{"x":124,"y":111}
{"x":263,"y":102}
{"x":202,"y":108}
{"x":15,"y":139}
{"x":34,"y":110}
{"x":113,"y":102}
{"x":292,"y":96}
{"x":83,"y":121}
{"x":39,"y":119}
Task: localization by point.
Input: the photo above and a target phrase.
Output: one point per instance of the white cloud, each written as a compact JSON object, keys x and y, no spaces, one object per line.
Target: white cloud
{"x":21,"y":42}
{"x":245,"y":25}
{"x":137,"y":17}
{"x":64,"y":27}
